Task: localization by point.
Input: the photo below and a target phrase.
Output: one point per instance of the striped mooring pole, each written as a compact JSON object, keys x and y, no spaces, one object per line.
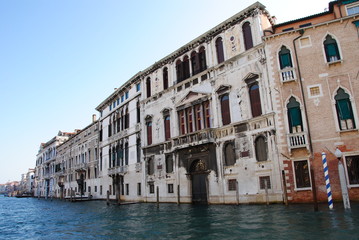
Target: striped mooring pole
{"x":327,"y":182}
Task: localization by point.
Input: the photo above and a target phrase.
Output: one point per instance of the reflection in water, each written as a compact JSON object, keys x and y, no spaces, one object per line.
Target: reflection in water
{"x":42,"y":219}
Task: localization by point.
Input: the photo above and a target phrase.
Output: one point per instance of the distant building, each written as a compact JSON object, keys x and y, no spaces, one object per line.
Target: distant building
{"x":76,"y":164}
{"x":45,"y":165}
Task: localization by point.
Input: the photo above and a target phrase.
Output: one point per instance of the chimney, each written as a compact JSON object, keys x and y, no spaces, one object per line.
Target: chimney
{"x":93,"y":118}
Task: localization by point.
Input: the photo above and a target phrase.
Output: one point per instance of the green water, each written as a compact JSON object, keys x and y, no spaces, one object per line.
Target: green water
{"x":44,"y":219}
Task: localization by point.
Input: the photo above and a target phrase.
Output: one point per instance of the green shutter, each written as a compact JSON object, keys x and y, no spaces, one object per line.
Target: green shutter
{"x":295,"y":117}
{"x":344,"y":109}
{"x":285,"y":60}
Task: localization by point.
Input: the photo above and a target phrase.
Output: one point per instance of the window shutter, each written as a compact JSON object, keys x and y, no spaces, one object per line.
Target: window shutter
{"x":219,"y":49}
{"x":285,"y":60}
{"x":167,"y":128}
{"x":226,"y":115}
{"x":247,"y":35}
{"x":344,"y":109}
{"x":149,"y":133}
{"x":255,"y":101}
{"x":295,"y":117}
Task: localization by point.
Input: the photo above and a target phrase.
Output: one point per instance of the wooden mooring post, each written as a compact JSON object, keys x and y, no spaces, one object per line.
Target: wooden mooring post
{"x":158,"y":197}
{"x":108,"y":197}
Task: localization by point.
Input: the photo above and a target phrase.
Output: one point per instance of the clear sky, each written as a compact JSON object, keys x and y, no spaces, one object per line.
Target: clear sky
{"x":60,"y":59}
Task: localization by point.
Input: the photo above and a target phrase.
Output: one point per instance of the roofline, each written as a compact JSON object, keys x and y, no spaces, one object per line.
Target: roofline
{"x":207,"y":36}
{"x":331,"y":7}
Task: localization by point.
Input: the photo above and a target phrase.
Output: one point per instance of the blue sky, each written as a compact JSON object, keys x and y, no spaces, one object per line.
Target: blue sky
{"x":60,"y":59}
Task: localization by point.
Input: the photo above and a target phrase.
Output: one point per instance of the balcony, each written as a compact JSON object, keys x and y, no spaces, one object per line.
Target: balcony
{"x":297,"y":140}
{"x":118,"y":170}
{"x":288,"y":74}
{"x":80,"y":167}
{"x":199,"y":137}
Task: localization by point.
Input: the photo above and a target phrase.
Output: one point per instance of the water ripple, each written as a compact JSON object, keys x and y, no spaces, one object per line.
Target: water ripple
{"x":45,"y":219}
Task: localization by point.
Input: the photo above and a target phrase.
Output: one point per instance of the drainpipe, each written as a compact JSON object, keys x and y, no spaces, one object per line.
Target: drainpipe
{"x":314,"y":191}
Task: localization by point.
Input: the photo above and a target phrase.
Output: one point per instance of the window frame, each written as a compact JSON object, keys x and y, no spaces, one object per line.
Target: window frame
{"x":336,"y":46}
{"x":225,"y":109}
{"x":352,"y":111}
{"x":219,"y":50}
{"x":257,"y":148}
{"x":352,"y":5}
{"x":296,"y":188}
{"x":247,"y":35}
{"x":258,"y":101}
{"x":345,"y":163}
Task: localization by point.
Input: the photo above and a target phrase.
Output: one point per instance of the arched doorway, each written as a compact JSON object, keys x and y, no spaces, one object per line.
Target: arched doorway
{"x":199,"y":174}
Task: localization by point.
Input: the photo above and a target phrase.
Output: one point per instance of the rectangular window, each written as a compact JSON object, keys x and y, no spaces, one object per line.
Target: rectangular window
{"x":152,"y":188}
{"x":198,"y":117}
{"x":301,"y":170}
{"x":315,"y":91}
{"x":170,"y":188}
{"x":149,"y":133}
{"x":126,"y":95}
{"x":127,"y":189}
{"x":232,"y":185}
{"x":263,"y":181}
{"x":139,"y":189}
{"x":95,"y":188}
{"x":182,"y":122}
{"x":352,"y":9}
{"x":118,"y":101}
{"x":207,"y":115}
{"x":352,"y":166}
{"x":305,"y":42}
{"x":138,"y":87}
{"x":109,"y":189}
{"x":122,"y":98}
{"x":189,"y":120}
{"x":89,"y":189}
{"x":100,"y":189}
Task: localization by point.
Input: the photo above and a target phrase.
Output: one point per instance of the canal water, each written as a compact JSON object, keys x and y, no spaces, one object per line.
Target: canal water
{"x":29,"y":218}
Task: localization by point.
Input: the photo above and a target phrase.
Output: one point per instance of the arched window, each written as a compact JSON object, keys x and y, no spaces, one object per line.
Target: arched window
{"x":169,"y":164}
{"x":226,"y":115}
{"x":261,"y":148}
{"x":247,"y":35}
{"x":202,"y":59}
{"x":148,"y":86}
{"x":255,"y":100}
{"x":150,"y":166}
{"x":219,"y":50}
{"x":167,"y":123}
{"x":165,"y":78}
{"x":331,"y":49}
{"x":179,"y":72}
{"x":344,"y":110}
{"x":194,"y":63}
{"x":186,"y":73}
{"x":285,"y":59}
{"x":294,"y":116}
{"x":229,"y":154}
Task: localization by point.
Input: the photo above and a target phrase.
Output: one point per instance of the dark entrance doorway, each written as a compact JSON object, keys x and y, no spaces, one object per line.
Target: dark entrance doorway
{"x":199,"y":182}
